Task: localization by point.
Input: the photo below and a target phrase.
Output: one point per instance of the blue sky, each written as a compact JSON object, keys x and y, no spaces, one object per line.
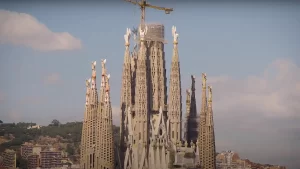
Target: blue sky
{"x":234,"y":43}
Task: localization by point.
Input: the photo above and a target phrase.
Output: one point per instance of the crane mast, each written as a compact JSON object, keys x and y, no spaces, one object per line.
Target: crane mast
{"x":143,"y":4}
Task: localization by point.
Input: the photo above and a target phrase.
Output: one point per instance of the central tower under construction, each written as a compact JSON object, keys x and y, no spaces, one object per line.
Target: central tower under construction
{"x":146,"y":117}
{"x":151,"y":113}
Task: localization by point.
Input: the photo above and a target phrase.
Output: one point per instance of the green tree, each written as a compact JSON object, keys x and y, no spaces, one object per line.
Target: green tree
{"x":70,"y":149}
{"x":22,"y":163}
{"x":55,"y":123}
{"x":70,"y":132}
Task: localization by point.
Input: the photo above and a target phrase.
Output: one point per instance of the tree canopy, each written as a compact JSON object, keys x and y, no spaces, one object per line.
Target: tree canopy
{"x":18,"y":133}
{"x":55,"y":123}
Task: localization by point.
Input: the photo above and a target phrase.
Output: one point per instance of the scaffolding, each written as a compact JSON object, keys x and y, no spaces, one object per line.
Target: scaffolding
{"x":155,"y":32}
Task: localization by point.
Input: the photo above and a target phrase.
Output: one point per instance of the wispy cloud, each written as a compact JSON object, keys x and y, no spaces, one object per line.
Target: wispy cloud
{"x":24,"y":29}
{"x":53,"y":78}
{"x":258,"y":112}
{"x":275,"y":92}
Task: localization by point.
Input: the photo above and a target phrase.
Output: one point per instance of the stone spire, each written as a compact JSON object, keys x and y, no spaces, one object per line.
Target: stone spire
{"x":101,"y":107}
{"x":85,"y":126}
{"x":192,"y":131}
{"x":210,"y":155}
{"x":193,"y":115}
{"x":202,"y":125}
{"x":89,"y":129}
{"x":107,"y":154}
{"x":141,"y":108}
{"x":187,"y":114}
{"x":94,"y":94}
{"x":193,"y":99}
{"x":156,"y":67}
{"x":103,"y":83}
{"x":174,"y":105}
{"x":126,"y":92}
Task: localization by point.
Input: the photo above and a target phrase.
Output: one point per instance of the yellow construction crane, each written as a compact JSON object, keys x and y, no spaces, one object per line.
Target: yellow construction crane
{"x":143,"y":4}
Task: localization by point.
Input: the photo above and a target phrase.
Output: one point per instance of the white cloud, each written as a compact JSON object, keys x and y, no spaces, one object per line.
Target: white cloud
{"x":24,"y":29}
{"x":275,"y":92}
{"x":260,"y":112}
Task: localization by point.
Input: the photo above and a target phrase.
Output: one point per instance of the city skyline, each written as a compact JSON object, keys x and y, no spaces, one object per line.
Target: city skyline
{"x":259,"y":47}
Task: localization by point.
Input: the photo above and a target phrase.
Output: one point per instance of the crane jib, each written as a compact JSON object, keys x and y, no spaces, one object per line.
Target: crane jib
{"x":143,"y":4}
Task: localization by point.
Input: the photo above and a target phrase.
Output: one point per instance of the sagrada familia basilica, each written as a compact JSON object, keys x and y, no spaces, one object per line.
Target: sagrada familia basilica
{"x":151,"y":129}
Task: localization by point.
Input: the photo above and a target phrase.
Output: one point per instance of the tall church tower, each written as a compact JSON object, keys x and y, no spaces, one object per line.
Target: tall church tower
{"x":89,"y":137}
{"x":202,"y":136}
{"x":156,"y":68}
{"x":84,"y":134}
{"x":187,"y":114}
{"x":151,"y":121}
{"x":106,"y":153}
{"x":126,"y":93}
{"x":141,"y":108}
{"x":97,"y":144}
{"x":174,"y":104}
{"x":192,"y":121}
{"x":210,"y":153}
{"x":100,"y":110}
{"x":151,"y":128}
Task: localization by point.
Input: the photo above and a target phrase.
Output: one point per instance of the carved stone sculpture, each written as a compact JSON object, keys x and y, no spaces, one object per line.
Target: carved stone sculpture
{"x":203,"y":79}
{"x":209,"y":93}
{"x":103,"y":61}
{"x":127,"y":36}
{"x":87,"y":83}
{"x":143,"y":32}
{"x":174,"y":34}
{"x":94,"y":65}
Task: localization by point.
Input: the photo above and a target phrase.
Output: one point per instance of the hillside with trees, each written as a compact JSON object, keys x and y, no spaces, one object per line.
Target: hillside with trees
{"x":17,"y":133}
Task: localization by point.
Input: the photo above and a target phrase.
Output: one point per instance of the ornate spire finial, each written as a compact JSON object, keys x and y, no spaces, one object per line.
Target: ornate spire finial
{"x":193,"y":82}
{"x":135,"y":33}
{"x":127,"y":37}
{"x":88,"y":82}
{"x":103,"y":61}
{"x":143,"y":33}
{"x":204,"y":80}
{"x":88,"y":85}
{"x":108,"y":86}
{"x":94,"y":65}
{"x":188,"y":91}
{"x":94,"y":69}
{"x":210,"y":93}
{"x":175,"y":35}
